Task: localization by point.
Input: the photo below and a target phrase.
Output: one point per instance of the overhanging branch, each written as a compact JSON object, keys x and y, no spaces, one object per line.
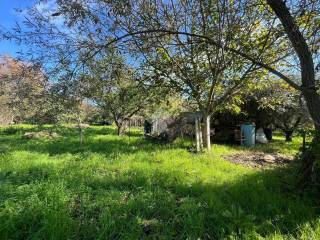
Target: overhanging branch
{"x":212,"y":42}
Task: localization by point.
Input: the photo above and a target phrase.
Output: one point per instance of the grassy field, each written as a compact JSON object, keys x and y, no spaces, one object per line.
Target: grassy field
{"x":128,"y":188}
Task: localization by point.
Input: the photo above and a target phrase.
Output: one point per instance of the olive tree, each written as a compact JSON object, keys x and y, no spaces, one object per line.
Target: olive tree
{"x":119,"y":90}
{"x":276,"y":103}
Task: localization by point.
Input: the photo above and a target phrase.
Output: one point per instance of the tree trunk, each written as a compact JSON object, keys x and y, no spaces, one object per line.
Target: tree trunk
{"x":80,"y":131}
{"x":206,"y":131}
{"x":81,"y":135}
{"x":313,"y":104}
{"x":120,"y":123}
{"x":303,"y":141}
{"x":120,"y":129}
{"x":288,"y":136}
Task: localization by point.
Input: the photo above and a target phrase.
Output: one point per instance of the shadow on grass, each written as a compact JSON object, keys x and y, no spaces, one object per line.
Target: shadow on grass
{"x":275,"y":146}
{"x":60,"y":129}
{"x":102,"y":140}
{"x":69,"y":142}
{"x":139,"y":204}
{"x":75,"y":200}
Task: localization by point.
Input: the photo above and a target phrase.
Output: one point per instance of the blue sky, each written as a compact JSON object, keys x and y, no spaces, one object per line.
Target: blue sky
{"x":8,"y":17}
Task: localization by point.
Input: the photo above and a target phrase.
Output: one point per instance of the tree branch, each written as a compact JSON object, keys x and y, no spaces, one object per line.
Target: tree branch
{"x":210,"y":41}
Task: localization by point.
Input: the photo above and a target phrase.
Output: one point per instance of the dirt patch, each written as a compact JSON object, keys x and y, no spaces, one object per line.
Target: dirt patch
{"x":259,"y":159}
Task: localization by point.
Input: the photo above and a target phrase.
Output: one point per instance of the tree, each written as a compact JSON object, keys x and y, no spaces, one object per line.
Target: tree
{"x":23,"y":88}
{"x":305,"y":44}
{"x":118,"y":90}
{"x":276,"y":103}
{"x":303,"y":51}
{"x":303,"y":36}
{"x":290,"y":114}
{"x":205,"y":74}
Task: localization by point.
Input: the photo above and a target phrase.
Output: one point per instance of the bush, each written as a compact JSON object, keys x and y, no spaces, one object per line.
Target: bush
{"x":10,"y":130}
{"x":310,"y":157}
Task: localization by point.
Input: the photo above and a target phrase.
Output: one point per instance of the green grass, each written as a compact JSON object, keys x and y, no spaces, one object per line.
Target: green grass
{"x":127,"y":188}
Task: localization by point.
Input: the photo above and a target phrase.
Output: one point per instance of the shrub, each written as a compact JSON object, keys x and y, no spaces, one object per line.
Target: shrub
{"x":10,"y":130}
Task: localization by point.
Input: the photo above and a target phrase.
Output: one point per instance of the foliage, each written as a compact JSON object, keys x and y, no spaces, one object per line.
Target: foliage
{"x":276,"y":104}
{"x":118,"y":90}
{"x":169,"y":107}
{"x":23,"y":87}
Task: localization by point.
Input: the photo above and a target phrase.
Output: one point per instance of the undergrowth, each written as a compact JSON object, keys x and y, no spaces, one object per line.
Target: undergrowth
{"x":114,"y":187}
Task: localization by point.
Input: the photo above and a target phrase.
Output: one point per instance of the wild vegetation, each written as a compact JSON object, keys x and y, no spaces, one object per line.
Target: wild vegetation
{"x":116,"y":187}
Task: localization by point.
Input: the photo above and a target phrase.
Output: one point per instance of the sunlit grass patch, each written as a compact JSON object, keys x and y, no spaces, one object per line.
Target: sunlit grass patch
{"x":113,"y":187}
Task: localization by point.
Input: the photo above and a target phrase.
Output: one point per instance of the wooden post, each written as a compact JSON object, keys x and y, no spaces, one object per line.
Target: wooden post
{"x":197,"y":135}
{"x":206,"y":131}
{"x":200,"y":134}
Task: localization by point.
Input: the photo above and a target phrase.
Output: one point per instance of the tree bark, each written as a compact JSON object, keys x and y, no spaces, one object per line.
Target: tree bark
{"x":81,"y":135}
{"x":80,"y":131}
{"x":120,"y":130}
{"x":206,"y":131}
{"x":300,"y":46}
{"x":120,"y":127}
{"x":129,"y":133}
{"x":313,"y":104}
{"x":288,"y":136}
